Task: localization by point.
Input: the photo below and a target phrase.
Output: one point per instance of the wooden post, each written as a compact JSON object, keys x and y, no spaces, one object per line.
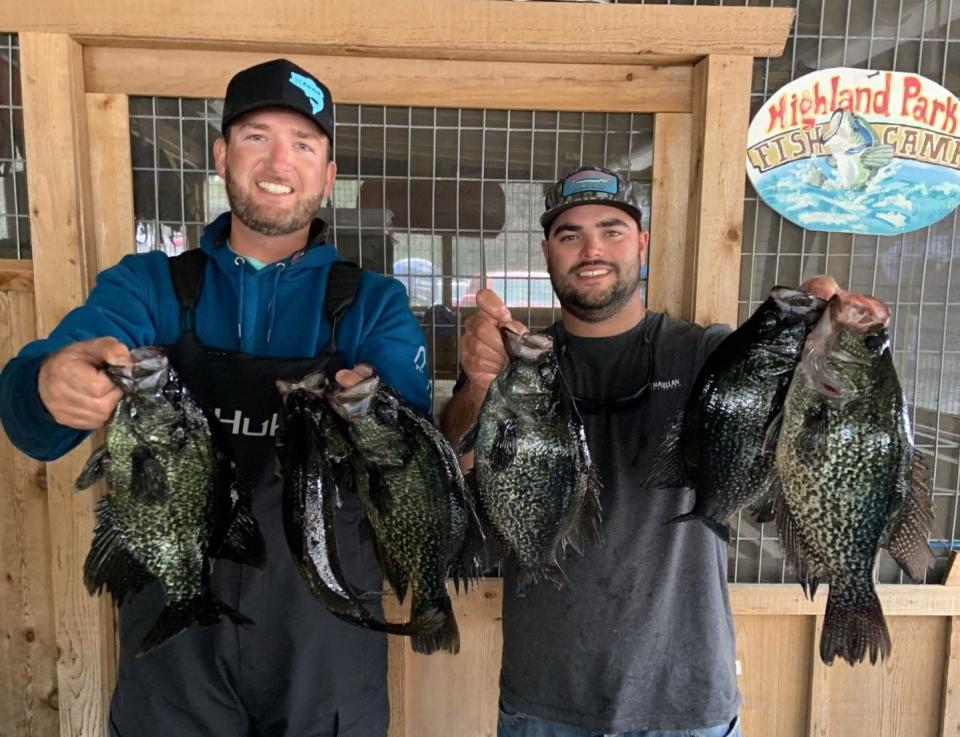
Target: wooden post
{"x":668,"y":216}
{"x":28,"y":648}
{"x":108,"y":121}
{"x":61,"y":221}
{"x":950,"y":709}
{"x":721,"y":108}
{"x":819,"y":723}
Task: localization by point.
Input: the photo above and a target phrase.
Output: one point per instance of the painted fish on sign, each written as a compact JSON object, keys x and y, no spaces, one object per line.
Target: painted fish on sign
{"x":858,"y":151}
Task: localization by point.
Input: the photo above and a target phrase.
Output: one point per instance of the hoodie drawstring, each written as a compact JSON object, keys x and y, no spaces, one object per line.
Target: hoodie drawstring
{"x":239,"y":261}
{"x":271,"y":311}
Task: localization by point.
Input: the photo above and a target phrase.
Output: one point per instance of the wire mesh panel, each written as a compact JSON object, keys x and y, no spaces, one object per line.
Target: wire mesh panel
{"x":14,"y":213}
{"x":445,"y":200}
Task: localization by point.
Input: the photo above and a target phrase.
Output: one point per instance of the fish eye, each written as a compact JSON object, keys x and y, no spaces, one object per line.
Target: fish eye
{"x":547,"y":372}
{"x":874,"y":343}
{"x":770,"y":321}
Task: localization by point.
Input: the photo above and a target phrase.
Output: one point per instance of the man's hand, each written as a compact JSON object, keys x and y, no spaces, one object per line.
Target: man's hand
{"x":348,"y":377}
{"x":823,"y":286}
{"x":482,"y":354}
{"x":74,"y":387}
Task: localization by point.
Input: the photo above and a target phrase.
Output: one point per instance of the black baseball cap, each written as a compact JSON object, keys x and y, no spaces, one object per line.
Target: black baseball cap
{"x":278,"y":83}
{"x":590,"y":185}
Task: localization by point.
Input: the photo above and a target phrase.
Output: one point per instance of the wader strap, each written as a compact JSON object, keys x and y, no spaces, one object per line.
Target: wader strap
{"x":186,"y":271}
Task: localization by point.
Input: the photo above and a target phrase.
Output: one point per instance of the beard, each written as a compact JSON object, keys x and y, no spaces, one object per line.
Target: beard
{"x":259,"y":219}
{"x":596,"y":306}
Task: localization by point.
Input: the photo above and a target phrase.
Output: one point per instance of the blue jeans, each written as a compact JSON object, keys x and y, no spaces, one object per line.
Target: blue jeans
{"x":513,"y":723}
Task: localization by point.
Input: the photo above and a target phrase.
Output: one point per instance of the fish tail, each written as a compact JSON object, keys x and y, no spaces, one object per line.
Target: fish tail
{"x":722,"y":531}
{"x":177,"y":616}
{"x":854,"y":627}
{"x":445,"y":637}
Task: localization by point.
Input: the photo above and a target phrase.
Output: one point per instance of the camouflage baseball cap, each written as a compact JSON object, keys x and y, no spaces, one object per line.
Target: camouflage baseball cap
{"x":590,"y":185}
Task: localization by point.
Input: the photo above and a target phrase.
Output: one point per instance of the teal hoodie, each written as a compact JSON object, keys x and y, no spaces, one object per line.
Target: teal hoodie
{"x":276,"y":311}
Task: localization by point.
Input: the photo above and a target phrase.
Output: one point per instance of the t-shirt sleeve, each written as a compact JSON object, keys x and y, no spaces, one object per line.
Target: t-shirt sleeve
{"x":711,"y":337}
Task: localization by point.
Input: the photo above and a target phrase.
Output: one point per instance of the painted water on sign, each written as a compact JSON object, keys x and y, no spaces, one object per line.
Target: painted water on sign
{"x":902,"y":196}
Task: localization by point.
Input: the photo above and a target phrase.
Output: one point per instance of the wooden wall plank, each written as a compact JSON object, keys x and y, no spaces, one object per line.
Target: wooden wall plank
{"x":28,"y":647}
{"x":950,"y":708}
{"x":897,"y":600}
{"x":899,"y":697}
{"x":721,"y":94}
{"x":108,"y":122}
{"x":774,"y":661}
{"x":453,"y":694}
{"x":62,"y":242}
{"x":818,"y":718}
{"x":477,"y":29}
{"x":419,"y":82}
{"x":16,"y":275}
{"x":668,"y":217}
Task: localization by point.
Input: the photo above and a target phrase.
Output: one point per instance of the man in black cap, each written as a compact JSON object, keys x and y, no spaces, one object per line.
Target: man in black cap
{"x":641,"y":641}
{"x":261,"y":299}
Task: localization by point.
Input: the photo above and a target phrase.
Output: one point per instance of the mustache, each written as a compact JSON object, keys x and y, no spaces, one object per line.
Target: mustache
{"x":587,"y":264}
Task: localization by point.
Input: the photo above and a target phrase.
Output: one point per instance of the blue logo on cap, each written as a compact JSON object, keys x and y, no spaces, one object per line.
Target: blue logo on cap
{"x":589,"y":181}
{"x":310,"y":89}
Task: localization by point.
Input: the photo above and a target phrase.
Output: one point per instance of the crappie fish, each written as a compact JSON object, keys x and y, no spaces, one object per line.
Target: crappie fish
{"x":723,"y":444}
{"x":414,"y":499}
{"x":318,"y":464}
{"x":855,"y":151}
{"x":172,"y":501}
{"x":853,"y":481}
{"x":535,"y":482}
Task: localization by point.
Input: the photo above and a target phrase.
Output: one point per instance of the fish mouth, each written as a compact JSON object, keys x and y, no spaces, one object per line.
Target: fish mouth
{"x":148,"y":373}
{"x":800,"y":304}
{"x":833,"y":128}
{"x":353,"y":401}
{"x":527,"y":347}
{"x":313,"y":383}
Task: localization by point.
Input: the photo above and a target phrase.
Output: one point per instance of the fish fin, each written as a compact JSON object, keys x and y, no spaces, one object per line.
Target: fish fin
{"x":473,"y":556}
{"x":504,"y":447}
{"x":876,"y":157}
{"x":110,"y":563}
{"x":398,"y":580}
{"x":148,"y":479}
{"x":909,"y":526}
{"x":94,"y":469}
{"x":808,"y":569}
{"x":177,"y":616}
{"x":668,"y":468}
{"x":765,"y":508}
{"x":469,"y":439}
{"x":242,"y":541}
{"x":772,"y":434}
{"x":813,"y":436}
{"x":853,"y":630}
{"x":446,"y":637}
{"x":551,"y":571}
{"x":720,"y":529}
{"x":587,"y":520}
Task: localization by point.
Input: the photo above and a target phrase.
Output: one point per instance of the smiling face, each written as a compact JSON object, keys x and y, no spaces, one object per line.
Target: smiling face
{"x":277,"y":169}
{"x":594,"y":254}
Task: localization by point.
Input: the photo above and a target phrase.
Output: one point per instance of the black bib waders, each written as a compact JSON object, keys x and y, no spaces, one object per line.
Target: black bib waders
{"x":298,"y":671}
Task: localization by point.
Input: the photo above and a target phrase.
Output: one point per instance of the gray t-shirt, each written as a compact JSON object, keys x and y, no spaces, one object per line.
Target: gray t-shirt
{"x":643,"y":637}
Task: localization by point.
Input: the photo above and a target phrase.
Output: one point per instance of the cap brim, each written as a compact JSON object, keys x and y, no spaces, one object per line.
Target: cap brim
{"x":546,"y":220}
{"x":260,"y":104}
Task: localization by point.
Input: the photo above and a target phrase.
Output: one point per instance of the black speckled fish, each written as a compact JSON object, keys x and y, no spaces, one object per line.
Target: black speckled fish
{"x":413,"y":497}
{"x":535,"y":482}
{"x":172,"y":502}
{"x":318,"y":465}
{"x":724,"y":443}
{"x":852,"y":480}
